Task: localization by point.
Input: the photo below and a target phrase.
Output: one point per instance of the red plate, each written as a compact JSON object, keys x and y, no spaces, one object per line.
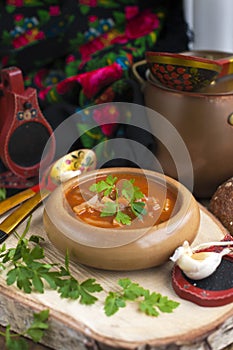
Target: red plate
{"x":215,"y":290}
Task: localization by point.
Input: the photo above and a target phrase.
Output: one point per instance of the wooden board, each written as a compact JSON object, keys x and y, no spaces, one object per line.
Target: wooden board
{"x":76,"y":326}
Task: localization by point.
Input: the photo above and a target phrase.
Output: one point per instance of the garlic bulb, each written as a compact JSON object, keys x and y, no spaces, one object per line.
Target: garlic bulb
{"x":199,"y":265}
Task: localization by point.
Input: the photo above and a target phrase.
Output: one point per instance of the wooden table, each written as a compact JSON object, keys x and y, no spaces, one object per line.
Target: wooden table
{"x":75,"y":326}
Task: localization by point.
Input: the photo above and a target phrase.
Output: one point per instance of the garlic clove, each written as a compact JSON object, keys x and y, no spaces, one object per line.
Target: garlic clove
{"x":198,"y":265}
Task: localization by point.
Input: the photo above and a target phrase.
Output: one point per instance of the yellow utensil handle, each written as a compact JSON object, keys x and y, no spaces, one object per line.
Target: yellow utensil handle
{"x":15,"y":200}
{"x":21,"y":213}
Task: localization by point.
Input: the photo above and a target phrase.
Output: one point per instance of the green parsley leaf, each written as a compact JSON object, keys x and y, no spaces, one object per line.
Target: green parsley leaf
{"x":123,"y":218}
{"x":138,"y":193}
{"x":154,"y":301}
{"x":167,"y":305}
{"x":6,"y":254}
{"x":138,"y":208}
{"x":124,"y":188}
{"x":113,"y":302}
{"x":148,"y":305}
{"x":99,"y":187}
{"x":148,"y":302}
{"x":39,"y":325}
{"x":3,"y":248}
{"x":35,"y":253}
{"x":36,"y":239}
{"x":15,"y":344}
{"x":28,"y":223}
{"x":111,"y":180}
{"x":22,"y":276}
{"x":91,"y":286}
{"x":131,"y":290}
{"x":30,"y":273}
{"x":37,"y":282}
{"x":35,"y":331}
{"x":70,"y":288}
{"x":105,"y":186}
{"x":128,"y":190}
{"x":110,"y":209}
{"x":11,"y":276}
{"x":52,"y":278}
{"x":86,"y":298}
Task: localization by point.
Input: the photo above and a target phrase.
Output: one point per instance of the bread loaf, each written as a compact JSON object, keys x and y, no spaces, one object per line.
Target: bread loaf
{"x":221,"y":204}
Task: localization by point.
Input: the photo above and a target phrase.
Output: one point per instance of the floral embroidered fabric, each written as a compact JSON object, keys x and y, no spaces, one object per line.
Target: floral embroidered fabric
{"x":78,"y":53}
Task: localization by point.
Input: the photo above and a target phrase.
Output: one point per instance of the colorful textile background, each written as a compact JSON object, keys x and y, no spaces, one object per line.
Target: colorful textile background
{"x":78,"y":53}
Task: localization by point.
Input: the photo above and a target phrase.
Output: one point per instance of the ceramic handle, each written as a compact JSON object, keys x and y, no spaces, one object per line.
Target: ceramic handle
{"x":137,"y":76}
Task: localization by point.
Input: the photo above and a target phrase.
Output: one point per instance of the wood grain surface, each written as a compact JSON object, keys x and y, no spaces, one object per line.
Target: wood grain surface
{"x":74,"y":326}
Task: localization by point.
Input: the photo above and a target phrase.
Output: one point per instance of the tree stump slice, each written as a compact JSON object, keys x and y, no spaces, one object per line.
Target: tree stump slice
{"x":76,"y":326}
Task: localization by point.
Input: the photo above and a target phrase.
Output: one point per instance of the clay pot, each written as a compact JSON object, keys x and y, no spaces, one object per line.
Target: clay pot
{"x":121,"y":249}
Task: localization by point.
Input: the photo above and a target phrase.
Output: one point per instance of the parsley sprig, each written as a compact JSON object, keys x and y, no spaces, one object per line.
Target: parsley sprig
{"x":72,"y":289}
{"x":129,"y":191}
{"x":105,"y":186}
{"x":149,"y":303}
{"x":35,"y":331}
{"x":27,"y":269}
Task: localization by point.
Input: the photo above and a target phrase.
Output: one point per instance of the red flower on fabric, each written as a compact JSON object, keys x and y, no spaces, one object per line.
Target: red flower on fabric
{"x":39,"y":77}
{"x":131,"y":11}
{"x":19,"y":42}
{"x":93,"y":81}
{"x":18,"y":17}
{"x":91,"y":3}
{"x":40,"y":36}
{"x":5,"y":60}
{"x":18,"y":3}
{"x":91,"y":47}
{"x":54,"y":10}
{"x":142,"y":24}
{"x":110,"y":116}
{"x":70,"y":58}
{"x":92,"y":19}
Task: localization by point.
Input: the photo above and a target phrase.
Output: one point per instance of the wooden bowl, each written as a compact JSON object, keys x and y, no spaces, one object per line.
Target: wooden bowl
{"x":182,"y":72}
{"x":121,"y":248}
